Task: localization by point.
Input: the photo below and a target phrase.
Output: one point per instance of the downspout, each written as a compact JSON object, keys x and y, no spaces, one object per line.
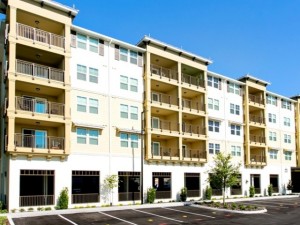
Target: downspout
{"x":109,"y":116}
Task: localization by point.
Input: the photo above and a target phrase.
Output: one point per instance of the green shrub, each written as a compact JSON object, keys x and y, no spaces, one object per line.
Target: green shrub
{"x":208,"y":193}
{"x":233,"y":206}
{"x":40,"y":209}
{"x":225,"y":206}
{"x":151,"y":195}
{"x":48,"y":208}
{"x":217,"y":204}
{"x":30,"y":209}
{"x":63,"y":199}
{"x":22,"y":210}
{"x":242,"y":207}
{"x":270,"y":190}
{"x":251,"y":191}
{"x":3,"y":220}
{"x":183,"y":194}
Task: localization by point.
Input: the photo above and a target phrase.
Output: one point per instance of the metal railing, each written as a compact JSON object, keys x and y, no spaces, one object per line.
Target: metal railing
{"x":36,"y":200}
{"x":164,"y":98}
{"x":192,"y":80}
{"x":194,"y":153}
{"x":165,"y":152}
{"x":256,"y":119}
{"x":163,"y":72}
{"x":42,"y":36}
{"x":39,"y":106}
{"x":192,"y":129}
{"x":257,"y":158}
{"x":41,"y":71}
{"x":129,"y":196}
{"x":258,"y":139}
{"x":256,"y":99}
{"x":163,"y":194}
{"x":41,"y":142}
{"x":85,"y":198}
{"x":164,"y":125}
{"x":193,"y":193}
{"x":192,"y":105}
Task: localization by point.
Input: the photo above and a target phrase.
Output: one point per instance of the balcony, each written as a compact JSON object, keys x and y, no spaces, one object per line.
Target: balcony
{"x":257,"y":159}
{"x":39,"y":106}
{"x":162,"y":72}
{"x":194,"y":155}
{"x":192,"y":129}
{"x":256,"y":99}
{"x":192,"y":105}
{"x":164,"y":153}
{"x":39,"y":142}
{"x":256,"y":119}
{"x":40,"y":71}
{"x":37,"y":35}
{"x":163,"y":99}
{"x":192,"y":80}
{"x":258,"y":139}
{"x":164,"y":125}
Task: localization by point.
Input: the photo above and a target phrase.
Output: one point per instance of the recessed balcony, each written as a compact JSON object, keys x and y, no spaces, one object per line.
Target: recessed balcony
{"x":163,"y":99}
{"x":190,"y":129}
{"x":256,"y":119}
{"x":256,"y":159}
{"x":256,"y":139}
{"x":192,"y":80}
{"x":190,"y":105}
{"x":164,"y":125}
{"x":255,"y":99}
{"x":194,"y":155}
{"x":163,"y":73}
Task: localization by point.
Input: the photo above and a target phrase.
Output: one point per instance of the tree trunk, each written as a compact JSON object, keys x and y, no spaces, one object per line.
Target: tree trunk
{"x":224,"y":194}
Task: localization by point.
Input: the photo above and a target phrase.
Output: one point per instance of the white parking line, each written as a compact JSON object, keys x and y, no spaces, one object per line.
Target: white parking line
{"x":70,"y":221}
{"x":158,"y":215}
{"x":117,"y":218}
{"x":246,"y":203}
{"x":191,"y":213}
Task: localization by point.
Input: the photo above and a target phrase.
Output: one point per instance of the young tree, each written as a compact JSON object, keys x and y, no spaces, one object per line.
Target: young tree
{"x":224,"y":174}
{"x":110,"y":182}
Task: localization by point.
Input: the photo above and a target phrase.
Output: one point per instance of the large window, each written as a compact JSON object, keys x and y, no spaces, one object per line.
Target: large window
{"x":272,"y":118}
{"x":272,"y":100}
{"x":273,"y":154}
{"x":126,"y":138}
{"x":81,"y":104}
{"x":286,"y":104}
{"x":214,"y":126}
{"x":288,"y":155}
{"x":235,"y":129}
{"x":272,"y":136}
{"x":213,"y":82}
{"x":234,"y":109}
{"x":81,"y":72}
{"x":81,"y":41}
{"x":234,"y":88}
{"x":162,"y":183}
{"x":287,"y":139}
{"x":192,"y":184}
{"x":129,"y":186}
{"x":93,"y":75}
{"x":213,"y":148}
{"x":84,"y":134}
{"x":236,"y":150}
{"x":213,"y":104}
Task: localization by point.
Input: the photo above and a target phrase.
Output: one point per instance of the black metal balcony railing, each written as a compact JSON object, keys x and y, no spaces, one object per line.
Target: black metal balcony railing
{"x":258,"y":139}
{"x":163,"y":72}
{"x":192,"y":105}
{"x":164,"y":125}
{"x":256,"y":119}
{"x":36,"y":200}
{"x":164,"y":98}
{"x":192,"y":80}
{"x":42,"y":36}
{"x":256,"y":99}
{"x":39,"y":106}
{"x":41,"y":142}
{"x":194,"y":153}
{"x":257,"y":158}
{"x":165,"y":152}
{"x":40,"y":71}
{"x":193,"y":129}
{"x":85,"y":198}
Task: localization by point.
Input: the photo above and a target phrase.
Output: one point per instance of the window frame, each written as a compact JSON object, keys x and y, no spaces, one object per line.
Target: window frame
{"x":235,"y":129}
{"x":123,"y":54}
{"x":133,"y":84}
{"x":93,"y":75}
{"x":214,"y":126}
{"x":81,"y":73}
{"x":93,"y":106}
{"x":82,"y":105}
{"x":94,"y":45}
{"x":82,"y":41}
{"x":81,"y":136}
{"x":273,"y":154}
{"x":133,"y":115}
{"x":122,"y":113}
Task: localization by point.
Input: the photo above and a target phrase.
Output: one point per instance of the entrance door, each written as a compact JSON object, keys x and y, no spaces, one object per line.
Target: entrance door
{"x":185,"y":151}
{"x":40,"y":105}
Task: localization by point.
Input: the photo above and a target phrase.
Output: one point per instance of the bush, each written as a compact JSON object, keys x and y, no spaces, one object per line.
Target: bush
{"x":63,"y":199}
{"x":208,"y":193}
{"x":48,"y":208}
{"x":233,"y":206}
{"x":217,"y":204}
{"x":251,"y":191}
{"x":3,"y":220}
{"x":183,"y":194}
{"x":151,"y":195}
{"x":242,"y":207}
{"x":270,"y":190}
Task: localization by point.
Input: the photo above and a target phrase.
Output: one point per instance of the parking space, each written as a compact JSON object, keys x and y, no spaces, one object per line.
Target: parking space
{"x":280,"y":211}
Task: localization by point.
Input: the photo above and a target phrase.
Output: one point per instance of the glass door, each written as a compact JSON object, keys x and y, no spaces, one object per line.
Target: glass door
{"x":40,"y":139}
{"x":40,"y":105}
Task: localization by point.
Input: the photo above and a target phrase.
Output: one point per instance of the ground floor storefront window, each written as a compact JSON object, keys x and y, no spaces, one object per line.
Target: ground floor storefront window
{"x":237,"y":188}
{"x":162,"y":183}
{"x":129,"y":186}
{"x":274,"y":181}
{"x":192,"y":183}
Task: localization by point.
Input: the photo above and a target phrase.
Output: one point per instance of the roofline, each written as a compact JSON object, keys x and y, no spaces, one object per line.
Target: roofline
{"x":248,"y":76}
{"x":225,"y":78}
{"x":281,"y":96}
{"x":106,"y":38}
{"x":57,"y":5}
{"x":162,"y":44}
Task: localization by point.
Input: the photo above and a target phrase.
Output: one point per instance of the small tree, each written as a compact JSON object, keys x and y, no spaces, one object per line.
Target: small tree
{"x":111,"y":182}
{"x":270,"y":190}
{"x":183,"y":194}
{"x":63,"y":199}
{"x":251,"y":191}
{"x":151,"y":194}
{"x":208,"y":193}
{"x":224,"y":174}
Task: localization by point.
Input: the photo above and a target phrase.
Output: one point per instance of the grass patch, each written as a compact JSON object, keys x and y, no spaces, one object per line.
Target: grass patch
{"x":3,"y":220}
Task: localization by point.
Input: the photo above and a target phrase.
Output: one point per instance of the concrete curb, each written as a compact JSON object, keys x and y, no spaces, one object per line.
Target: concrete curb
{"x":229,"y":210}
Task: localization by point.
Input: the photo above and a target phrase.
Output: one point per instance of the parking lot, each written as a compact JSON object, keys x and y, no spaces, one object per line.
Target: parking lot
{"x":280,"y":211}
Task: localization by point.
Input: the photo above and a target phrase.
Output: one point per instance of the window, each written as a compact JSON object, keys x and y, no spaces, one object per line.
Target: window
{"x":272,"y":100}
{"x":235,"y":150}
{"x":288,"y":155}
{"x":286,"y":121}
{"x":93,"y":137}
{"x":272,"y":118}
{"x":123,"y":54}
{"x":93,"y":75}
{"x":134,"y":140}
{"x":214,"y":148}
{"x":213,"y":82}
{"x":273,"y":154}
{"x":81,"y":104}
{"x":81,"y":41}
{"x":213,"y":104}
{"x":214,"y":126}
{"x":272,"y":136}
{"x":235,"y":129}
{"x":124,"y":82}
{"x":133,"y":85}
{"x":234,"y":88}
{"x":155,"y":147}
{"x":124,"y":140}
{"x":133,"y":57}
{"x":287,"y":139}
{"x":81,"y":72}
{"x":155,"y":122}
{"x":93,"y":103}
{"x":234,"y":109}
{"x":133,"y":112}
{"x":286,"y":104}
{"x":81,"y":135}
{"x":93,"y":44}
{"x":124,"y":111}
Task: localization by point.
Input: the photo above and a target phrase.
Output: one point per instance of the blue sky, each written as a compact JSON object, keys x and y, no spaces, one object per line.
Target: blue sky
{"x":259,"y":37}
